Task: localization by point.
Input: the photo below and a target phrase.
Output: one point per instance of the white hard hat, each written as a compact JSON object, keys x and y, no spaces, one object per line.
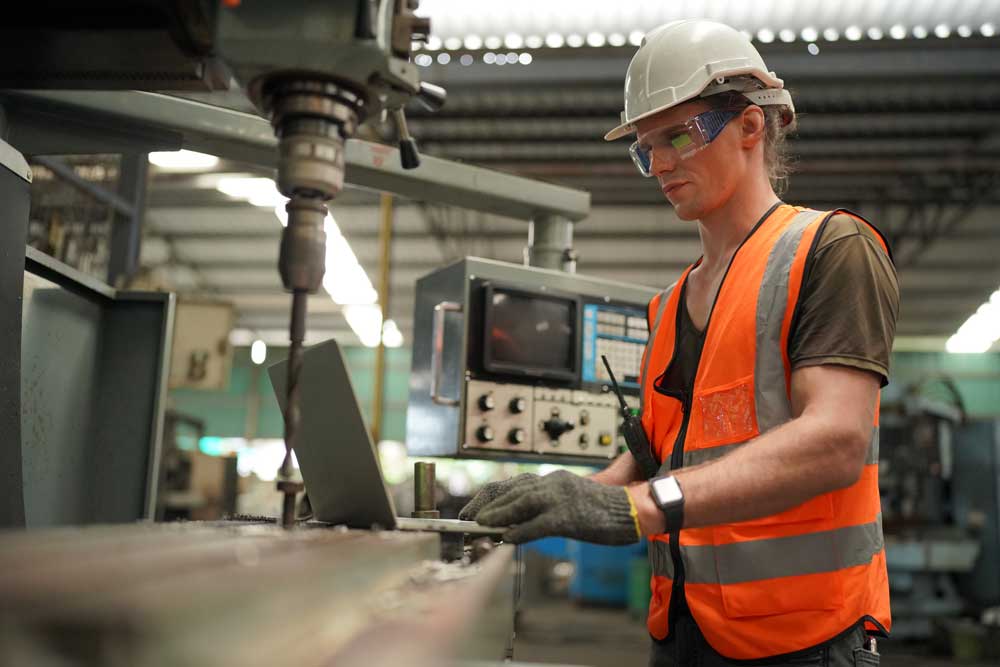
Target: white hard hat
{"x":692,"y":58}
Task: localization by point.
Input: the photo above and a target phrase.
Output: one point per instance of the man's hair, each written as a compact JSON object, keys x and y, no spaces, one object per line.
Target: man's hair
{"x":777,"y":126}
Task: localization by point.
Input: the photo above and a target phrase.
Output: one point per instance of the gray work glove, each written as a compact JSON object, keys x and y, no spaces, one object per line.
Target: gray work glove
{"x":563,"y":504}
{"x":491,"y":492}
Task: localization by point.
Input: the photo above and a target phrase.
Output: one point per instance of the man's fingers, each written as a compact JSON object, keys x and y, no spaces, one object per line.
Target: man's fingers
{"x":510,"y":510}
{"x":526,"y":532}
{"x":491,"y":492}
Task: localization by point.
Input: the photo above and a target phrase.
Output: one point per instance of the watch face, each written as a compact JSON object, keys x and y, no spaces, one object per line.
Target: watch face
{"x":668,"y":491}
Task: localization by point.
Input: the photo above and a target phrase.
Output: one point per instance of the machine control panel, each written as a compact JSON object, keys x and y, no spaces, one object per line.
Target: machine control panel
{"x":521,"y":418}
{"x":618,"y":332}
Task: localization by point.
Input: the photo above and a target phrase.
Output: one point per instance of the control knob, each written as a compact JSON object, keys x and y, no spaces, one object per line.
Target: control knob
{"x":518,"y":405}
{"x":555,"y":427}
{"x":516,"y":436}
{"x":487,"y":402}
{"x":484,"y":433}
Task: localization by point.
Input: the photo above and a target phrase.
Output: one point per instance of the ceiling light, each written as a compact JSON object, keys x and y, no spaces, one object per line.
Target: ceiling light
{"x":423,"y":60}
{"x":897,"y":32}
{"x":980,"y":331}
{"x":853,"y":33}
{"x":258,"y":191}
{"x":988,"y":29}
{"x":765,"y":36}
{"x":391,"y":335}
{"x":473,"y":42}
{"x":513,"y":41}
{"x":575,"y":40}
{"x":813,"y":49}
{"x":596,"y":39}
{"x":466,"y":59}
{"x":433,"y":43}
{"x":810,"y":34}
{"x":964,"y":31}
{"x":534,"y":41}
{"x":524,"y":59}
{"x":444,"y":58}
{"x":831,"y":35}
{"x":489,"y":57}
{"x":875,"y":33}
{"x":787,"y":35}
{"x":258,"y":352}
{"x":453,"y":43}
{"x":554,"y":40}
{"x":511,"y":58}
{"x":635,"y":37}
{"x":182,"y":160}
{"x":919,"y":31}
{"x":942,"y":31}
{"x":617,"y":39}
{"x":366,"y":322}
{"x":493,"y":42}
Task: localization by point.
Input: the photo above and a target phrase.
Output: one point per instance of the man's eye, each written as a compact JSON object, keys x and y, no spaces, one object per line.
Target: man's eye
{"x":681,"y":140}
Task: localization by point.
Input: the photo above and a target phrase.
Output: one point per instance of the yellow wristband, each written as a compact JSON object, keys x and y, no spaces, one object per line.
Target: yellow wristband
{"x":633,"y":512}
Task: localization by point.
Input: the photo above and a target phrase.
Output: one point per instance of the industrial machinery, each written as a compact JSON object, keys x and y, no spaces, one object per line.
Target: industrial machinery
{"x":317,"y":70}
{"x":507,"y":362}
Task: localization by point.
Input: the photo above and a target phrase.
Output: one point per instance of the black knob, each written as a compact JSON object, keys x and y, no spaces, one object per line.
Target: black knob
{"x":409,"y":157}
{"x":584,"y":417}
{"x":484,"y":433}
{"x":516,"y":436}
{"x":584,"y":441}
{"x":555,"y":427}
{"x":518,"y":405}
{"x":487,"y":402}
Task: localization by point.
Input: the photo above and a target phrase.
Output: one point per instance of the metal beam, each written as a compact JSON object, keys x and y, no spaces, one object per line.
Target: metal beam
{"x":65,"y":172}
{"x":242,"y":136}
{"x":126,"y":228}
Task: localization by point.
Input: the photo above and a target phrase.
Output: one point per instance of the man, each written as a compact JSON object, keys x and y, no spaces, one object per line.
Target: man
{"x":760,"y":387}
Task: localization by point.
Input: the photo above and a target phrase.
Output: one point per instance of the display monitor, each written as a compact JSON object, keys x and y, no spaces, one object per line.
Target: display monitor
{"x":530,"y":333}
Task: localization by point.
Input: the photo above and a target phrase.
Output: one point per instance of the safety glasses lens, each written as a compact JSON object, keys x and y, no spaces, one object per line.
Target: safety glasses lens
{"x":642,"y":159}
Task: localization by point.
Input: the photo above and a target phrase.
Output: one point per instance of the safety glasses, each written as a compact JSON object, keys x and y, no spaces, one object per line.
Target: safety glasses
{"x":685,"y":139}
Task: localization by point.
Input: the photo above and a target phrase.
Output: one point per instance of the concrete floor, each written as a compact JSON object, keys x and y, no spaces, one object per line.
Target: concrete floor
{"x":559,"y":632}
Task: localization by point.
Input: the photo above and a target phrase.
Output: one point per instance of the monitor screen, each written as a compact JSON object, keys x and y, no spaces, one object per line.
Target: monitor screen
{"x":530,"y":333}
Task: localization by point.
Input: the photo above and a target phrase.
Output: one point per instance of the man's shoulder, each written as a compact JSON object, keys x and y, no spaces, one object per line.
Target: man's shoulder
{"x":843,"y":226}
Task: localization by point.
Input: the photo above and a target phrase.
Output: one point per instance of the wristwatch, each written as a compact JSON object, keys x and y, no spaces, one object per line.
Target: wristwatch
{"x":667,"y":495}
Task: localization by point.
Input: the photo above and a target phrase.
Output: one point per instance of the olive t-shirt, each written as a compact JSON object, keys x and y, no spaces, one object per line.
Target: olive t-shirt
{"x":846,"y":312}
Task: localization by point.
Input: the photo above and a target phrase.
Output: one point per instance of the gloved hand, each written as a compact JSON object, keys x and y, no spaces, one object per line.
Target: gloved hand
{"x":564,"y":504}
{"x":491,"y":492}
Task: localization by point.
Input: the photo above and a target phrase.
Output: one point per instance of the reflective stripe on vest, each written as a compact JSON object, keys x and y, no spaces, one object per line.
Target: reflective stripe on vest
{"x":712,"y":453}
{"x":740,"y":562}
{"x":770,"y":392}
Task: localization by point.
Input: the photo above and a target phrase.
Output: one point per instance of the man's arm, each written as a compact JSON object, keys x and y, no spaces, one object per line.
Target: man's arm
{"x":823,"y":448}
{"x":622,"y":471}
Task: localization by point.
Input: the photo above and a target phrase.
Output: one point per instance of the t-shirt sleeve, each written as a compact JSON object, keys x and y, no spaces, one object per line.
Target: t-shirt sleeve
{"x":849,"y":302}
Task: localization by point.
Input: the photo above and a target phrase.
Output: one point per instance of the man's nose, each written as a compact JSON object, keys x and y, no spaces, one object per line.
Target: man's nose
{"x":664,"y":160}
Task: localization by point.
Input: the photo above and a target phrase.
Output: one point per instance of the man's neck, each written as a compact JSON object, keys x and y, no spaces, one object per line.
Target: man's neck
{"x":726,"y":228}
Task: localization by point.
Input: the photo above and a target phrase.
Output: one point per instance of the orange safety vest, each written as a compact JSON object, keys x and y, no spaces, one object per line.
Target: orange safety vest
{"x":780,"y":583}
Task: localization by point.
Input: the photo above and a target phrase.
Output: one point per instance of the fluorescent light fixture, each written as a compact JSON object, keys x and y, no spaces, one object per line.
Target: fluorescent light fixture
{"x":258,"y":352}
{"x":257,"y":190}
{"x":765,"y":36}
{"x":635,"y":37}
{"x":182,"y":160}
{"x":453,"y":43}
{"x":511,"y":58}
{"x":575,"y":40}
{"x":366,"y":321}
{"x":391,"y":335}
{"x":473,"y":42}
{"x":513,"y":41}
{"x":423,"y":60}
{"x":493,"y":42}
{"x":554,"y":40}
{"x":853,"y":33}
{"x":875,"y":33}
{"x":444,"y":58}
{"x":434,"y":43}
{"x":466,"y":59}
{"x":980,"y":331}
{"x":942,"y":31}
{"x":919,"y":31}
{"x":786,"y":35}
{"x":489,"y":57}
{"x":964,"y":31}
{"x":524,"y":58}
{"x":897,"y":32}
{"x":831,"y":35}
{"x":988,"y":29}
{"x":810,"y":34}
{"x":534,"y":41}
{"x":596,"y":39}
{"x":617,"y":39}
{"x":813,"y":49}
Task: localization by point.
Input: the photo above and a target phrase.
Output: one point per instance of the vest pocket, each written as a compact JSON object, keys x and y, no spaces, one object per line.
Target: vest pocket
{"x":726,"y":412}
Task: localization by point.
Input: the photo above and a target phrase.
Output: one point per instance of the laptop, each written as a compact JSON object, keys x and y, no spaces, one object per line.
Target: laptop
{"x":336,"y":455}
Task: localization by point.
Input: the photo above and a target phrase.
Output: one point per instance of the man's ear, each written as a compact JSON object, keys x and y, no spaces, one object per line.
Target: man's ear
{"x":752,"y":126}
